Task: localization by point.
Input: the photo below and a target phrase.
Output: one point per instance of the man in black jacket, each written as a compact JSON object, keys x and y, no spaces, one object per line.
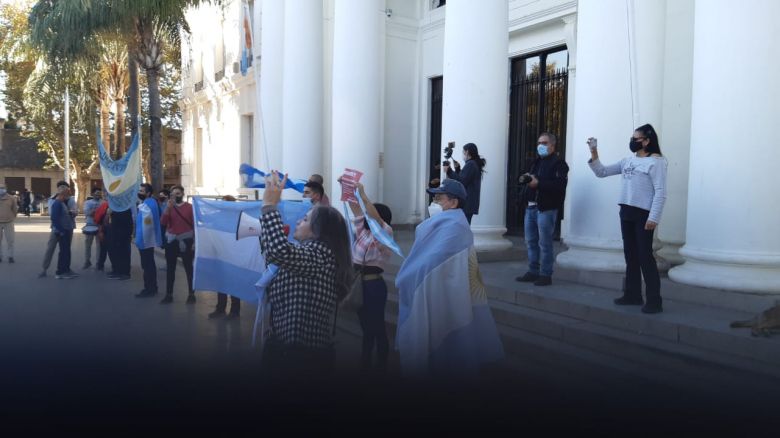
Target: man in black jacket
{"x":546,"y":179}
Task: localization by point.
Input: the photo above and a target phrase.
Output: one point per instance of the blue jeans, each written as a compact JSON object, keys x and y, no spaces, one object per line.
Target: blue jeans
{"x":63,"y":259}
{"x":539,"y":229}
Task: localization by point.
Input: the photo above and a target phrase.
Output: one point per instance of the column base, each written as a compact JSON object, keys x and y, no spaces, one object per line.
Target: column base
{"x":592,"y":259}
{"x":671,"y":253}
{"x":745,"y":273}
{"x":490,"y":238}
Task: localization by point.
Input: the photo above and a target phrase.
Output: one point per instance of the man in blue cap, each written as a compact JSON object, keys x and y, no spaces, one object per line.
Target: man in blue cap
{"x":445,"y":327}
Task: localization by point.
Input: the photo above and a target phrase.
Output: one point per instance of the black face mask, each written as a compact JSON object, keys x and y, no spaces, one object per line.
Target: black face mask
{"x":179,"y":199}
{"x":634,"y":145}
{"x":141,"y":196}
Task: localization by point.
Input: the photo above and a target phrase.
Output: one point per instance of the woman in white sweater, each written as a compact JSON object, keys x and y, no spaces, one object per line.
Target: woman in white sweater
{"x":642,"y":197}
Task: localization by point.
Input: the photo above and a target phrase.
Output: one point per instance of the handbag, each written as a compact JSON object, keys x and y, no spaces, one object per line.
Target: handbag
{"x":89,"y":230}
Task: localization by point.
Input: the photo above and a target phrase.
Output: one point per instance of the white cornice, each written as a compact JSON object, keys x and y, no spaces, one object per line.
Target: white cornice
{"x":536,"y":18}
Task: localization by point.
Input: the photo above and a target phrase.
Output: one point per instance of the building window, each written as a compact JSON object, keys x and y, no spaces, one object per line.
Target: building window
{"x":435,"y":4}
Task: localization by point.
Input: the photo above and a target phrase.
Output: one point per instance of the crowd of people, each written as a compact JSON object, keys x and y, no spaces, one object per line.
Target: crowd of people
{"x":333,"y":254}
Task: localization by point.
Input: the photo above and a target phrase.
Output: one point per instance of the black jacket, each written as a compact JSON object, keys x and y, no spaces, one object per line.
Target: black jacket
{"x":553,"y":175}
{"x":471,"y":178}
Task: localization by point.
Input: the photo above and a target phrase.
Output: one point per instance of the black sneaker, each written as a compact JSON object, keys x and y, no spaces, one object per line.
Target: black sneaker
{"x":167,"y":300}
{"x":191,"y":299}
{"x":217,"y":314}
{"x":145,"y":294}
{"x":543,"y":280}
{"x":528,"y":277}
{"x":652,"y":308}
{"x":628,"y":301}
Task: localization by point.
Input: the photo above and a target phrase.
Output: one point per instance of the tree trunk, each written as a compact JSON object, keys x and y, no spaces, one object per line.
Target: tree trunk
{"x":120,"y":127}
{"x":105,"y":128}
{"x":133,"y":96}
{"x":80,"y":175}
{"x":155,"y":122}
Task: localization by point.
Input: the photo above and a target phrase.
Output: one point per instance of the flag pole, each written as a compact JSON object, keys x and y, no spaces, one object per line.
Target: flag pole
{"x":67,"y":135}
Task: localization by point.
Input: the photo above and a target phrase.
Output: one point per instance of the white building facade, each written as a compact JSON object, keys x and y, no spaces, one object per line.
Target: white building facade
{"x":383,"y":85}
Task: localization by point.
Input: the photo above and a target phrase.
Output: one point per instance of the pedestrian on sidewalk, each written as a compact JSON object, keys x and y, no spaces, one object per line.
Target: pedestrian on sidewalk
{"x":642,"y":198}
{"x":369,"y":258}
{"x":26,"y":200}
{"x":8,"y":210}
{"x":445,"y":326}
{"x":543,"y":197}
{"x":63,"y":223}
{"x":313,"y":277}
{"x":178,"y":221}
{"x":51,"y":245}
{"x":147,"y":238}
{"x":90,"y":230}
{"x":103,"y":221}
{"x":235,"y":302}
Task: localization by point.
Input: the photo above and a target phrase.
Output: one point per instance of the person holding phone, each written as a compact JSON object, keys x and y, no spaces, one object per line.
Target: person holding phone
{"x":642,"y":198}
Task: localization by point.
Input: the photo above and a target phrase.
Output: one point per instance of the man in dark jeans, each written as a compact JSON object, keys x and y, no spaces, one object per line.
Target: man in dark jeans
{"x":62,"y":225}
{"x":547,"y":180}
{"x":147,"y":238}
{"x":180,"y":238}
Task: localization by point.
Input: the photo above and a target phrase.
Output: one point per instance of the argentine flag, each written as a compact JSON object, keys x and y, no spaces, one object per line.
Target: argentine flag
{"x":255,"y":179}
{"x":147,"y":225}
{"x":224,"y":264}
{"x":122,"y":177}
{"x":444,"y":321}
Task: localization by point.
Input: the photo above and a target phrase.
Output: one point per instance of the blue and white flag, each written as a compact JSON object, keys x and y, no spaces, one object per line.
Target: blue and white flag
{"x":444,"y":320}
{"x":379,"y":233}
{"x":224,"y":264}
{"x":122,"y":177}
{"x":255,"y":179}
{"x":148,"y":233}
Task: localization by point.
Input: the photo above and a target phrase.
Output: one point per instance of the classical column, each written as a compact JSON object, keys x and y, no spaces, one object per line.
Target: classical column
{"x":475,"y":106}
{"x":731,"y":239}
{"x":619,"y":84}
{"x":302,"y":88}
{"x":269,"y":90}
{"x":357,"y":59}
{"x":676,"y":122}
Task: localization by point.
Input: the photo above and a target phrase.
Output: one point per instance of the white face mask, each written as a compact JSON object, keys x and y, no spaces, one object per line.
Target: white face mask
{"x":434,"y":209}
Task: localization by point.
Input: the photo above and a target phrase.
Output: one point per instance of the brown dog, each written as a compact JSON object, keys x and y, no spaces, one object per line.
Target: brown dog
{"x":764,"y":324}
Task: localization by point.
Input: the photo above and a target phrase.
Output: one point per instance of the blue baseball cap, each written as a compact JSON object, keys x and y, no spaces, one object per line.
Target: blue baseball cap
{"x":450,"y":187}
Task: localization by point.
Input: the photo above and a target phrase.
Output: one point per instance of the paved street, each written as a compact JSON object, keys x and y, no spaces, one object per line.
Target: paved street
{"x":85,"y":352}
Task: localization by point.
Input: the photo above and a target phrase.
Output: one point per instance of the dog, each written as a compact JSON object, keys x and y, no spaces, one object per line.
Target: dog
{"x":762,"y":325}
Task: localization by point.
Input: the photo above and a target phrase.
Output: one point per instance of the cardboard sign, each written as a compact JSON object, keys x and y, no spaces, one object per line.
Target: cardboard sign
{"x":349,"y":183}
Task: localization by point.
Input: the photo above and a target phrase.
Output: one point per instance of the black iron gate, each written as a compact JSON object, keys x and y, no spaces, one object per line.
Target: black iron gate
{"x":538,"y":101}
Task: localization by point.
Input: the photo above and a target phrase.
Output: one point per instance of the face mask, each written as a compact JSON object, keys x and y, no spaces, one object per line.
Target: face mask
{"x":542,"y":150}
{"x":434,"y":209}
{"x":141,"y":196}
{"x":635,"y":146}
{"x":179,"y":199}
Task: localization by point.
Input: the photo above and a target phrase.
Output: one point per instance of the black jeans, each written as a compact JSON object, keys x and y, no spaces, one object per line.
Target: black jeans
{"x":121,"y":232}
{"x":172,"y":253}
{"x":638,"y":250}
{"x":63,"y":258}
{"x":372,"y":321}
{"x":150,"y":269}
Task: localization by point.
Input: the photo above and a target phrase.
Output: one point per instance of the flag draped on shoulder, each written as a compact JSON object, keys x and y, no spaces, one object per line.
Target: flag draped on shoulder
{"x":148,"y":233}
{"x":224,"y":264}
{"x":444,"y":320}
{"x":121,"y":177}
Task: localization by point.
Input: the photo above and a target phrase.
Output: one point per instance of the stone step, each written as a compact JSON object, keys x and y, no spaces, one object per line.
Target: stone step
{"x":567,"y":312}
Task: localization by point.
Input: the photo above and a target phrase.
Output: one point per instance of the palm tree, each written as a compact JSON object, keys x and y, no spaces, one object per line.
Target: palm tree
{"x":62,"y":28}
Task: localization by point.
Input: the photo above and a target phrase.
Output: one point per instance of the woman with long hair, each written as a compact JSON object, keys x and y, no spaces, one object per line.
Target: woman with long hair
{"x":313,"y":277}
{"x":470,"y":176}
{"x":642,"y":198}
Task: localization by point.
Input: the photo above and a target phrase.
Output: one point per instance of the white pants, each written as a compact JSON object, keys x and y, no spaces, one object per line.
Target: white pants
{"x":7,"y":231}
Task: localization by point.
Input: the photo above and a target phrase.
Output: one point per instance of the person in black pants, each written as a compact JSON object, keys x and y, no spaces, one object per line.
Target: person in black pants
{"x":470,"y":176}
{"x":147,"y":238}
{"x":119,"y":248}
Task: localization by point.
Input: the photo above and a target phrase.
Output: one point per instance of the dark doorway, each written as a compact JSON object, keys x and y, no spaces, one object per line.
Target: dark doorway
{"x":538,"y":101}
{"x":434,"y":151}
{"x":14,"y":184}
{"x":41,"y":186}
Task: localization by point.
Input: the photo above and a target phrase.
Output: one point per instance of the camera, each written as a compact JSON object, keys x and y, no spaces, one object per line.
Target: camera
{"x":525,"y":179}
{"x":448,"y":153}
